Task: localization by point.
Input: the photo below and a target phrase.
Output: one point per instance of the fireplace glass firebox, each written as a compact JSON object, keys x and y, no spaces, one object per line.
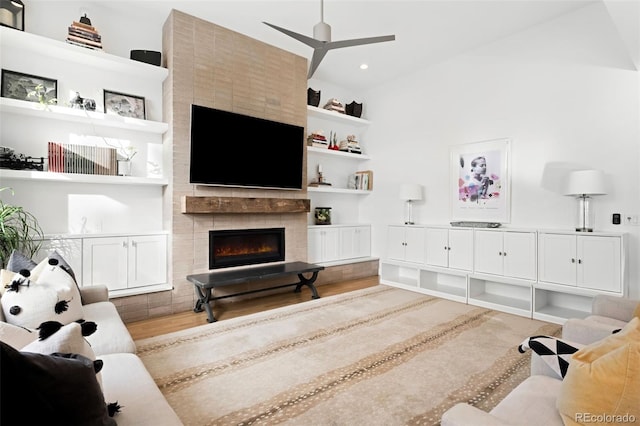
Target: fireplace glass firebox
{"x":235,"y":247}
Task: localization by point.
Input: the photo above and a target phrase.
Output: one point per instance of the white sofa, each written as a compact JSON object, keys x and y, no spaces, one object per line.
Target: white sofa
{"x":125,"y":379}
{"x":533,"y":402}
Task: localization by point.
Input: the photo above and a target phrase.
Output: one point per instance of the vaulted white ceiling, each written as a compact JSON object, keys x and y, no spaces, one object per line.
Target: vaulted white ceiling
{"x":427,"y":31}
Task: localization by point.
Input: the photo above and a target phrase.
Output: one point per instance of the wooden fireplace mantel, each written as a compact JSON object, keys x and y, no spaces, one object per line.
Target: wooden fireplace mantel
{"x":209,"y":205}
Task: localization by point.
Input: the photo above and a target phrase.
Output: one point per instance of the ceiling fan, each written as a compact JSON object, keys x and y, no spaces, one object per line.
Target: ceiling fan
{"x":321,"y":41}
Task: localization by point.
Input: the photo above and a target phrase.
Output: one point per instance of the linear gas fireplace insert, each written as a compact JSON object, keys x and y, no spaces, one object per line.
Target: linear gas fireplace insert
{"x":235,"y":247}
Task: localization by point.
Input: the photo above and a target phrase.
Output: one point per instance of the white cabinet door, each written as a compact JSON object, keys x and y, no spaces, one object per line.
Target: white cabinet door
{"x":147,"y":263}
{"x":104,"y":262}
{"x":519,"y":255}
{"x":396,"y":242}
{"x":461,"y":249}
{"x":437,"y":247}
{"x":356,"y":241}
{"x":488,"y":252}
{"x":414,"y":248}
{"x":314,"y":245}
{"x":599,"y":263}
{"x":324,"y":245}
{"x":557,"y":258}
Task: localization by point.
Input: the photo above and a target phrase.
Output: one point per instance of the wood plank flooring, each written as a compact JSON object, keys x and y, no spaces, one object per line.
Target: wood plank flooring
{"x":225,"y":310}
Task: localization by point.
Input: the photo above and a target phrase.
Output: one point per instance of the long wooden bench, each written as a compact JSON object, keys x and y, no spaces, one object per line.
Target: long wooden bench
{"x":205,"y":283}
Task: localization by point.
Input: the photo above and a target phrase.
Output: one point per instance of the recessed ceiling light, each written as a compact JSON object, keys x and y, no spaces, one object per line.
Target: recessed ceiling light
{"x":364,"y":66}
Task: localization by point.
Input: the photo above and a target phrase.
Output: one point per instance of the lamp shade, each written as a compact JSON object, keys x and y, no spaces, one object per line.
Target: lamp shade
{"x":587,"y":182}
{"x":410,"y":191}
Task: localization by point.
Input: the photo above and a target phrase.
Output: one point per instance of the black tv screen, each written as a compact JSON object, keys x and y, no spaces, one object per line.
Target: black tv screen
{"x":231,"y":149}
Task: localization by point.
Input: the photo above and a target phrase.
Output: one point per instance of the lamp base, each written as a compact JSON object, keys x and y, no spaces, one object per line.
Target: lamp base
{"x":584,"y":229}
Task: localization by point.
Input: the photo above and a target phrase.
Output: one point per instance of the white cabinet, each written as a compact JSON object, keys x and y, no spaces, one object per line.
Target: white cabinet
{"x":125,"y":262}
{"x":327,"y":243}
{"x":506,"y":253}
{"x":449,"y":248}
{"x":584,"y":261}
{"x":324,"y":244}
{"x":406,"y":243}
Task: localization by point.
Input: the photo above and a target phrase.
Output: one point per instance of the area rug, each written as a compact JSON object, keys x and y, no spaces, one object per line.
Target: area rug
{"x":376,"y":356}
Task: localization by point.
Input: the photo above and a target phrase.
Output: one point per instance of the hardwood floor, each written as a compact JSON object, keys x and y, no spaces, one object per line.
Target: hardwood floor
{"x":225,"y":310}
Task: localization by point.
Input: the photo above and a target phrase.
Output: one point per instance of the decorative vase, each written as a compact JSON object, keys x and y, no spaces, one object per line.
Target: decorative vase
{"x":124,"y":167}
{"x":313,"y":97}
{"x":323,"y":215}
{"x":354,"y":109}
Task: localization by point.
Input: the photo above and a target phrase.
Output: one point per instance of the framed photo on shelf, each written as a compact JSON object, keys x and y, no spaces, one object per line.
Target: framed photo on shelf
{"x":27,"y":87}
{"x":124,"y":105}
{"x":480,"y":182}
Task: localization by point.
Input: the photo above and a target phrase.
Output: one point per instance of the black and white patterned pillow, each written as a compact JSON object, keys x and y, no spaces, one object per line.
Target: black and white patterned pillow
{"x":556,"y":353}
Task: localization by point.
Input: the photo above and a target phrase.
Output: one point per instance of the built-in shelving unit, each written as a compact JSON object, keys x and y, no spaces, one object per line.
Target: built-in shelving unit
{"x":540,"y":274}
{"x":121,"y":214}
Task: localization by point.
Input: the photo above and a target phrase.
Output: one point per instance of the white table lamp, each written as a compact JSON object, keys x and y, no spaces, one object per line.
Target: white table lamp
{"x":583,"y":184}
{"x":410,"y":192}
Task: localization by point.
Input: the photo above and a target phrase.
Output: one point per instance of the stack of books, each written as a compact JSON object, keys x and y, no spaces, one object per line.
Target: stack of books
{"x":84,"y":35}
{"x":73,"y":158}
{"x":350,"y":145}
{"x":318,"y":140}
{"x":334,"y":105}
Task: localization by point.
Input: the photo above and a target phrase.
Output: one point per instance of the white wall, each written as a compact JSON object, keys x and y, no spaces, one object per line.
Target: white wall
{"x":566,"y":94}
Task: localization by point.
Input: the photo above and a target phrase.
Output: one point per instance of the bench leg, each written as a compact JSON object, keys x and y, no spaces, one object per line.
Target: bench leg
{"x":204,"y":297}
{"x":309,"y":283}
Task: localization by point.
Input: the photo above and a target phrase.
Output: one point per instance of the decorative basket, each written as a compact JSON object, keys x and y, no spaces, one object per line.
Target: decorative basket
{"x":313,"y":97}
{"x":354,"y":109}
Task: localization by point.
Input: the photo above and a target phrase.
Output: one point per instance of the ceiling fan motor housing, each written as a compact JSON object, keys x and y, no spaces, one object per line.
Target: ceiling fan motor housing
{"x":322,"y":31}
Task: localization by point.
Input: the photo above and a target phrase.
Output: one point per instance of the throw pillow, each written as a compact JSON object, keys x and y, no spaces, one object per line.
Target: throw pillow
{"x":61,"y":390}
{"x":636,"y":312}
{"x":18,"y":261}
{"x":602,"y":385}
{"x":16,"y":337}
{"x":555,"y":352}
{"x":53,"y":297}
{"x":56,"y":337}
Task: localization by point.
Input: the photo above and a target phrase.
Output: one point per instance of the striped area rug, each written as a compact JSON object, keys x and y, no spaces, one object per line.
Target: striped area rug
{"x":376,"y":356}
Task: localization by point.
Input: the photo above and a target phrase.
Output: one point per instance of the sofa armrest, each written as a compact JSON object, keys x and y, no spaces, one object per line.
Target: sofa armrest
{"x":463,"y":414}
{"x":584,"y":331}
{"x":616,"y":307}
{"x":94,"y":294}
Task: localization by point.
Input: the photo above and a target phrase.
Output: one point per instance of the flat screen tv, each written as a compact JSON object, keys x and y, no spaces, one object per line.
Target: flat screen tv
{"x":231,"y":149}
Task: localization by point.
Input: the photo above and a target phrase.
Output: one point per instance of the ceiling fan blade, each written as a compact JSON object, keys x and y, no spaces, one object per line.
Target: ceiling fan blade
{"x":300,"y":37}
{"x":318,"y":55}
{"x":358,"y":41}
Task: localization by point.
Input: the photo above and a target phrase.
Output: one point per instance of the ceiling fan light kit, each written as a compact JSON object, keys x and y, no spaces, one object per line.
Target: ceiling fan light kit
{"x":321,"y":41}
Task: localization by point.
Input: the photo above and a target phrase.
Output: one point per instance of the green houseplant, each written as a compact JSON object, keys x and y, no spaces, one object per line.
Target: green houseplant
{"x":19,"y":230}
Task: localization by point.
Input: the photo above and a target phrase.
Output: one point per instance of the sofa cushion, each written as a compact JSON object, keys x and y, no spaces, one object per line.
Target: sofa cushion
{"x":112,"y":335}
{"x":60,"y":389}
{"x":126,"y":380}
{"x":533,"y":402}
{"x":612,"y":364}
{"x":54,"y":296}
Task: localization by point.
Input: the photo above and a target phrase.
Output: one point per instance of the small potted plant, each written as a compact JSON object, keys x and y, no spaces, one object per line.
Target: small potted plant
{"x":19,"y":230}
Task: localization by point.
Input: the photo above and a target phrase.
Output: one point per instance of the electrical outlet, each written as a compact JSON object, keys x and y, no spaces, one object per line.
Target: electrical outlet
{"x":631,"y":219}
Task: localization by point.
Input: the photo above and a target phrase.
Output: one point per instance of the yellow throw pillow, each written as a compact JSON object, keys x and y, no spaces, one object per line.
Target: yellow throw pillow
{"x":636,"y":313}
{"x":602,"y":385}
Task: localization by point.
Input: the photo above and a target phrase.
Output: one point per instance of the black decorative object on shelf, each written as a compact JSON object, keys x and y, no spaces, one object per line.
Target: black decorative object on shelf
{"x":147,"y":56}
{"x":12,"y":14}
{"x":354,"y":109}
{"x":9,"y":160}
{"x":313,"y":97}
